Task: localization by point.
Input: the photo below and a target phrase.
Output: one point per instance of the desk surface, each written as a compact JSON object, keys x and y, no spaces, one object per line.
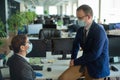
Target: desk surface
{"x":115,"y":73}
{"x":59,"y":66}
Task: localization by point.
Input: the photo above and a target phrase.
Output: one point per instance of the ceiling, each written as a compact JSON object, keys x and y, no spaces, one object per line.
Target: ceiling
{"x":43,"y":2}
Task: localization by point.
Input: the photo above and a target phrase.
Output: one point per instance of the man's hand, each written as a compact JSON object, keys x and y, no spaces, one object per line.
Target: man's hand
{"x":71,"y":63}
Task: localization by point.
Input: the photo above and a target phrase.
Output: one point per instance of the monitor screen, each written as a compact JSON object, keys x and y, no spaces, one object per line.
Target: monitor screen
{"x":66,"y":20}
{"x":114,"y":46}
{"x":62,"y":46}
{"x":39,"y":48}
{"x":54,"y":26}
{"x":106,"y":26}
{"x":34,"y":28}
{"x":114,"y":26}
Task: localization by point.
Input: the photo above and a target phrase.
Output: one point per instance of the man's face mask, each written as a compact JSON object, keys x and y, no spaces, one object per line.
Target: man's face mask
{"x":82,"y":23}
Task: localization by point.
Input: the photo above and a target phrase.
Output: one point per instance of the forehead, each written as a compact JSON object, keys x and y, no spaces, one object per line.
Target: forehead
{"x":80,"y":13}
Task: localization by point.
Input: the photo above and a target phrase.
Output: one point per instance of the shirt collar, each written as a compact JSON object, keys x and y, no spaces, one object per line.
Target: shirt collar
{"x":88,"y":27}
{"x":27,"y":59}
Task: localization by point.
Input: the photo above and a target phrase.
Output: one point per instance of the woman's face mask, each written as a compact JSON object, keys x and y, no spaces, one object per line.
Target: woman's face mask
{"x":30,"y":48}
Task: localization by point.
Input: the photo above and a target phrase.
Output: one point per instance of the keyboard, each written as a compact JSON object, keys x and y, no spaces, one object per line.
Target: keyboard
{"x":37,"y":67}
{"x":117,"y":65}
{"x":114,"y":68}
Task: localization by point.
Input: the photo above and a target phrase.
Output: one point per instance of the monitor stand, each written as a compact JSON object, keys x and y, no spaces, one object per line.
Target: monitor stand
{"x":64,"y":56}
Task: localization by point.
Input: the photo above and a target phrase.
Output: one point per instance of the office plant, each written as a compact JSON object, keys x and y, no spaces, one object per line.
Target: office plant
{"x":30,"y":16}
{"x":59,"y":22}
{"x":2,"y":29}
{"x":19,"y":19}
{"x":16,"y":21}
{"x":3,"y":38}
{"x":46,"y":12}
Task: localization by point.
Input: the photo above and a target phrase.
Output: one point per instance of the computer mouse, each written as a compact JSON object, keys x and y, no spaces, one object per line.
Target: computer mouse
{"x":114,"y":68}
{"x":38,"y":74}
{"x":49,"y":69}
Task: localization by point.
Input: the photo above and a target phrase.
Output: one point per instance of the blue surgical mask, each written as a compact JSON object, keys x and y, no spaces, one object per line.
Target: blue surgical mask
{"x":81,"y":23}
{"x":30,"y":48}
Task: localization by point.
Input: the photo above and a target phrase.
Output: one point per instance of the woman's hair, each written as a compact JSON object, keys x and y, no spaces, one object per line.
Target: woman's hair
{"x":17,"y":41}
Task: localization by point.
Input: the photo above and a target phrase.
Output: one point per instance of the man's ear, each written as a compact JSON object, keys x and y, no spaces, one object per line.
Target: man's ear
{"x":89,"y":17}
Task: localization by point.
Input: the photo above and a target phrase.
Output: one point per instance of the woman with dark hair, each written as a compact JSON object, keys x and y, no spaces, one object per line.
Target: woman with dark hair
{"x":20,"y":69}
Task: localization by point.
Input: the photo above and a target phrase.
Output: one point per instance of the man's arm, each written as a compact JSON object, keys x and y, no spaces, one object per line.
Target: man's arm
{"x":76,"y":46}
{"x":95,"y":51}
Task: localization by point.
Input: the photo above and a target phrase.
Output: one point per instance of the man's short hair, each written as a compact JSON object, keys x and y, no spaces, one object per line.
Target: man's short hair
{"x":17,"y":41}
{"x":87,"y":9}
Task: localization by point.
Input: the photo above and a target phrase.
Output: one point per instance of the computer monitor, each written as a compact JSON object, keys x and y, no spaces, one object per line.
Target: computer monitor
{"x":39,"y":48}
{"x":114,"y":26}
{"x":34,"y":28}
{"x":114,"y":47}
{"x":54,"y":26}
{"x":106,"y":26}
{"x":62,"y":46}
{"x":66,"y":20}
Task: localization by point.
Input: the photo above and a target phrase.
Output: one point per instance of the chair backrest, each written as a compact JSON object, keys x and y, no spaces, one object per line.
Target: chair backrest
{"x":49,"y":33}
{"x":1,"y":78}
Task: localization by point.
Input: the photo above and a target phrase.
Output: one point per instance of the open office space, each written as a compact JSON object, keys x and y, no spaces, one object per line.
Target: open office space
{"x":51,"y":26}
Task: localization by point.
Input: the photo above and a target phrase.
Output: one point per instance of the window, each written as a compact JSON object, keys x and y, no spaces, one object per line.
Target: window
{"x":94,"y":4}
{"x":110,"y":11}
{"x":39,"y":10}
{"x":68,"y":9}
{"x":74,"y":9}
{"x":52,"y":10}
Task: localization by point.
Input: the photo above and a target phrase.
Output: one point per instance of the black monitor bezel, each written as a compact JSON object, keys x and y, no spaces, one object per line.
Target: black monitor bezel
{"x":63,"y":53}
{"x":43,"y":52}
{"x":114,"y":37}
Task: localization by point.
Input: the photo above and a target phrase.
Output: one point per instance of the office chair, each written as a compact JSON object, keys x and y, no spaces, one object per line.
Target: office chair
{"x":106,"y":27}
{"x":1,"y":78}
{"x":49,"y":33}
{"x":73,"y":28}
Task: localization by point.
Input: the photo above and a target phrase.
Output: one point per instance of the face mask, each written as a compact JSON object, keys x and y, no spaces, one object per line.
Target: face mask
{"x":30,"y":48}
{"x":81,"y":23}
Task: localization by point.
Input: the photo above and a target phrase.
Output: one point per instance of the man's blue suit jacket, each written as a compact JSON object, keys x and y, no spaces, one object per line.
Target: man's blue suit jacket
{"x":95,"y":51}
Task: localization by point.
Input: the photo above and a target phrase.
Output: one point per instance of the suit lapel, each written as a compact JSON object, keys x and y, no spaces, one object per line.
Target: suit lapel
{"x":22,"y":59}
{"x":90,"y":33}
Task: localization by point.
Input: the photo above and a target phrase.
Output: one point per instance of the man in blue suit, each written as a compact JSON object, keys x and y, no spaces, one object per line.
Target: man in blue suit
{"x":92,"y":38}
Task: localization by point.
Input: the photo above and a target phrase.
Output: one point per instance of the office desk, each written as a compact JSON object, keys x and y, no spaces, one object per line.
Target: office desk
{"x":63,"y":28}
{"x":115,"y":73}
{"x":59,"y":66}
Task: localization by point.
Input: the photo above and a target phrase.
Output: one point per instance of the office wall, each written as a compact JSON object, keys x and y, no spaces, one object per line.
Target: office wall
{"x":2,"y":10}
{"x":22,"y":7}
{"x":110,"y":11}
{"x":94,"y":4}
{"x":13,"y":6}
